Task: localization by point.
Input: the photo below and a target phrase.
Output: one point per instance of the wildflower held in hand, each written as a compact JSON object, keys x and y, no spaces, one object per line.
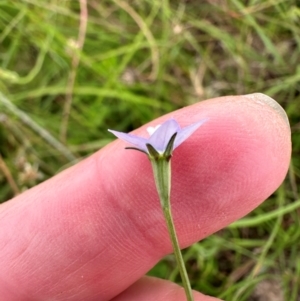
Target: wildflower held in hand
{"x":159,"y":147}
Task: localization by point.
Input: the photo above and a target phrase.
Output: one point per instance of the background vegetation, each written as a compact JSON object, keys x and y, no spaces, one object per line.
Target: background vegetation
{"x":66,"y":78}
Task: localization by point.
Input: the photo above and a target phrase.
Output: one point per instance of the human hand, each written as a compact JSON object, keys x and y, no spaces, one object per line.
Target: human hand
{"x":91,"y":232}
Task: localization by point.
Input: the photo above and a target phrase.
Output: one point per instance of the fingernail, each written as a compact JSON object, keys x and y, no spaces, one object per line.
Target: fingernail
{"x":264,"y":99}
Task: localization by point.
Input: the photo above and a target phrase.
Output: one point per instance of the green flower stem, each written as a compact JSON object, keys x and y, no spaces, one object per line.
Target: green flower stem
{"x":162,"y":174}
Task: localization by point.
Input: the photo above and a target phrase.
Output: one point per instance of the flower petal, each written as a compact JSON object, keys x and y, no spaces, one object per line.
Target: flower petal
{"x":161,"y":137}
{"x":152,"y":129}
{"x":186,"y":132}
{"x":139,"y":142}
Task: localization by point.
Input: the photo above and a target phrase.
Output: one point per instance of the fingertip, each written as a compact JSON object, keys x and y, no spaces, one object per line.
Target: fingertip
{"x":261,"y":98}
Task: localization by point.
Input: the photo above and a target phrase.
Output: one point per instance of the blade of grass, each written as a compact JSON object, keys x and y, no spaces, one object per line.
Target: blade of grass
{"x":255,"y":221}
{"x":36,"y":128}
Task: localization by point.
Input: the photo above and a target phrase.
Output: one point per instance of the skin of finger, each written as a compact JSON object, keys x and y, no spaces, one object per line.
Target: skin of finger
{"x":94,"y":229}
{"x":149,"y":289}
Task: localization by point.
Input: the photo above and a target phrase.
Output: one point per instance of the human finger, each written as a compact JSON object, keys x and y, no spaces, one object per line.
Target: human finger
{"x":94,"y":229}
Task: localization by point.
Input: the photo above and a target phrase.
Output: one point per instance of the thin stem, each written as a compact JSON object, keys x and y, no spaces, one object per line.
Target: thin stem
{"x":72,"y":75}
{"x":177,"y":252}
{"x":162,"y":175}
{"x":9,"y":176}
{"x":148,"y":35}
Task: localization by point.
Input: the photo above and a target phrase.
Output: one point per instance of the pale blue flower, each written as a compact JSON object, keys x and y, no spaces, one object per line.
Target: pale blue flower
{"x":161,"y":136}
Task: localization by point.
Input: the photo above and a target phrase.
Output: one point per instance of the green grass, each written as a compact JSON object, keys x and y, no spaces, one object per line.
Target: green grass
{"x":140,"y":60}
